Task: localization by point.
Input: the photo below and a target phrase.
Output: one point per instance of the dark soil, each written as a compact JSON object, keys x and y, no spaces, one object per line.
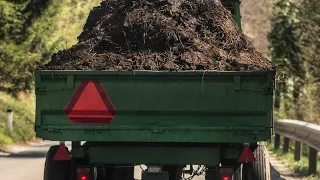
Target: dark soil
{"x":160,"y":35}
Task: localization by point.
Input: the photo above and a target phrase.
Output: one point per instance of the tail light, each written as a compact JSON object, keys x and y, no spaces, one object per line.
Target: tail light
{"x":84,"y":178}
{"x":83,"y":173}
{"x":226,"y":178}
{"x":226,"y":173}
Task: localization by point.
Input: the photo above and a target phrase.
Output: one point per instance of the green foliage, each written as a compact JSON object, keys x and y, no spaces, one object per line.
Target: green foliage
{"x":16,"y":67}
{"x":25,"y":29}
{"x":11,"y":21}
{"x":70,"y":24}
{"x":286,"y":53}
{"x":285,"y":38}
{"x":31,"y":31}
{"x":298,"y":167}
{"x":310,"y":24}
{"x":295,"y":51}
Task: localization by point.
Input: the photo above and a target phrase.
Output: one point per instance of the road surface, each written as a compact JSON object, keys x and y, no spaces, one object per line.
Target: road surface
{"x":26,"y":162}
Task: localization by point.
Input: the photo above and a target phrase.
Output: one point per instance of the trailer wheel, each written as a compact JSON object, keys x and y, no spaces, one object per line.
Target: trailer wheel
{"x":54,"y":170}
{"x":260,"y":169}
{"x":237,"y":175}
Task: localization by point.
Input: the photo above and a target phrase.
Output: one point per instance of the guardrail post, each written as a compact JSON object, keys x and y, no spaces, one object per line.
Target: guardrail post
{"x":297,"y":151}
{"x":312,"y":161}
{"x":277,"y":141}
{"x":9,"y":119}
{"x":286,"y":144}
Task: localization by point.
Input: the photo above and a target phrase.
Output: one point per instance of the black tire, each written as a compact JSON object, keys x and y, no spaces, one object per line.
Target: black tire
{"x":247,"y":171}
{"x":260,"y":169}
{"x":237,"y":175}
{"x":54,"y":170}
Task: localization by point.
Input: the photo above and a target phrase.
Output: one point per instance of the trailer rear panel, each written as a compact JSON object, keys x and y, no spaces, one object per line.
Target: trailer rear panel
{"x":197,"y":106}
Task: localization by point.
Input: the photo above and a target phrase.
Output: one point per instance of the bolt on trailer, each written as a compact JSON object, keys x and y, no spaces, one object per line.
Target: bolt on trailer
{"x":178,"y":124}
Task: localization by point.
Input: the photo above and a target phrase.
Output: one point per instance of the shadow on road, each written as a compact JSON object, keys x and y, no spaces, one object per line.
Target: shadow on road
{"x":25,"y":154}
{"x":275,"y":175}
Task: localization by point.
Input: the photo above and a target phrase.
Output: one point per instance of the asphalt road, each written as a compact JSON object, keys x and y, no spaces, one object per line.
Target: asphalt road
{"x":24,"y":163}
{"x":27,"y":163}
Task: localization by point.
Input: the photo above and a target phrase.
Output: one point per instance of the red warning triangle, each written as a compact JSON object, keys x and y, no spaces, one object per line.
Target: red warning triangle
{"x":62,"y":154}
{"x":90,"y":104}
{"x":247,"y":155}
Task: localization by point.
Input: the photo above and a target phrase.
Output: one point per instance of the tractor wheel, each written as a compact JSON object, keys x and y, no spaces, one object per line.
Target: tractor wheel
{"x":260,"y":169}
{"x":54,"y":170}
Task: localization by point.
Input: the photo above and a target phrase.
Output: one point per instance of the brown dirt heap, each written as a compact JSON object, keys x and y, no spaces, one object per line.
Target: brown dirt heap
{"x":160,"y":35}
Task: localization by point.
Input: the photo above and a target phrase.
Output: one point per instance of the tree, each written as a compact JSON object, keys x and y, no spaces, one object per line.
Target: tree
{"x":310,"y":24}
{"x":25,"y":29}
{"x":285,"y":38}
{"x":295,"y":50}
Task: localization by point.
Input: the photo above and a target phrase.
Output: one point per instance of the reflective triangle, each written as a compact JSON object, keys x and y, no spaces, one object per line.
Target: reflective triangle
{"x":62,"y":154}
{"x":247,"y":155}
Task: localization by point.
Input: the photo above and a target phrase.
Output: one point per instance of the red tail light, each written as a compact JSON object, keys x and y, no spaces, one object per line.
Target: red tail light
{"x":83,"y":173}
{"x":226,"y":173}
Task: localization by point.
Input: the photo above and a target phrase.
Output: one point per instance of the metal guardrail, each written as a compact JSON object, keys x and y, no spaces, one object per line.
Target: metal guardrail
{"x":302,"y":133}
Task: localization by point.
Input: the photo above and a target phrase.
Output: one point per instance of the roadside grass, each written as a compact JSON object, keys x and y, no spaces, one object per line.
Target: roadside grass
{"x":23,"y":118}
{"x":301,"y":167}
{"x":71,"y":21}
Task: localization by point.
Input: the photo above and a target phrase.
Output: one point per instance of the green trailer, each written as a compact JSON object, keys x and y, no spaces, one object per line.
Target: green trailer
{"x":168,"y":121}
{"x":155,"y":118}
